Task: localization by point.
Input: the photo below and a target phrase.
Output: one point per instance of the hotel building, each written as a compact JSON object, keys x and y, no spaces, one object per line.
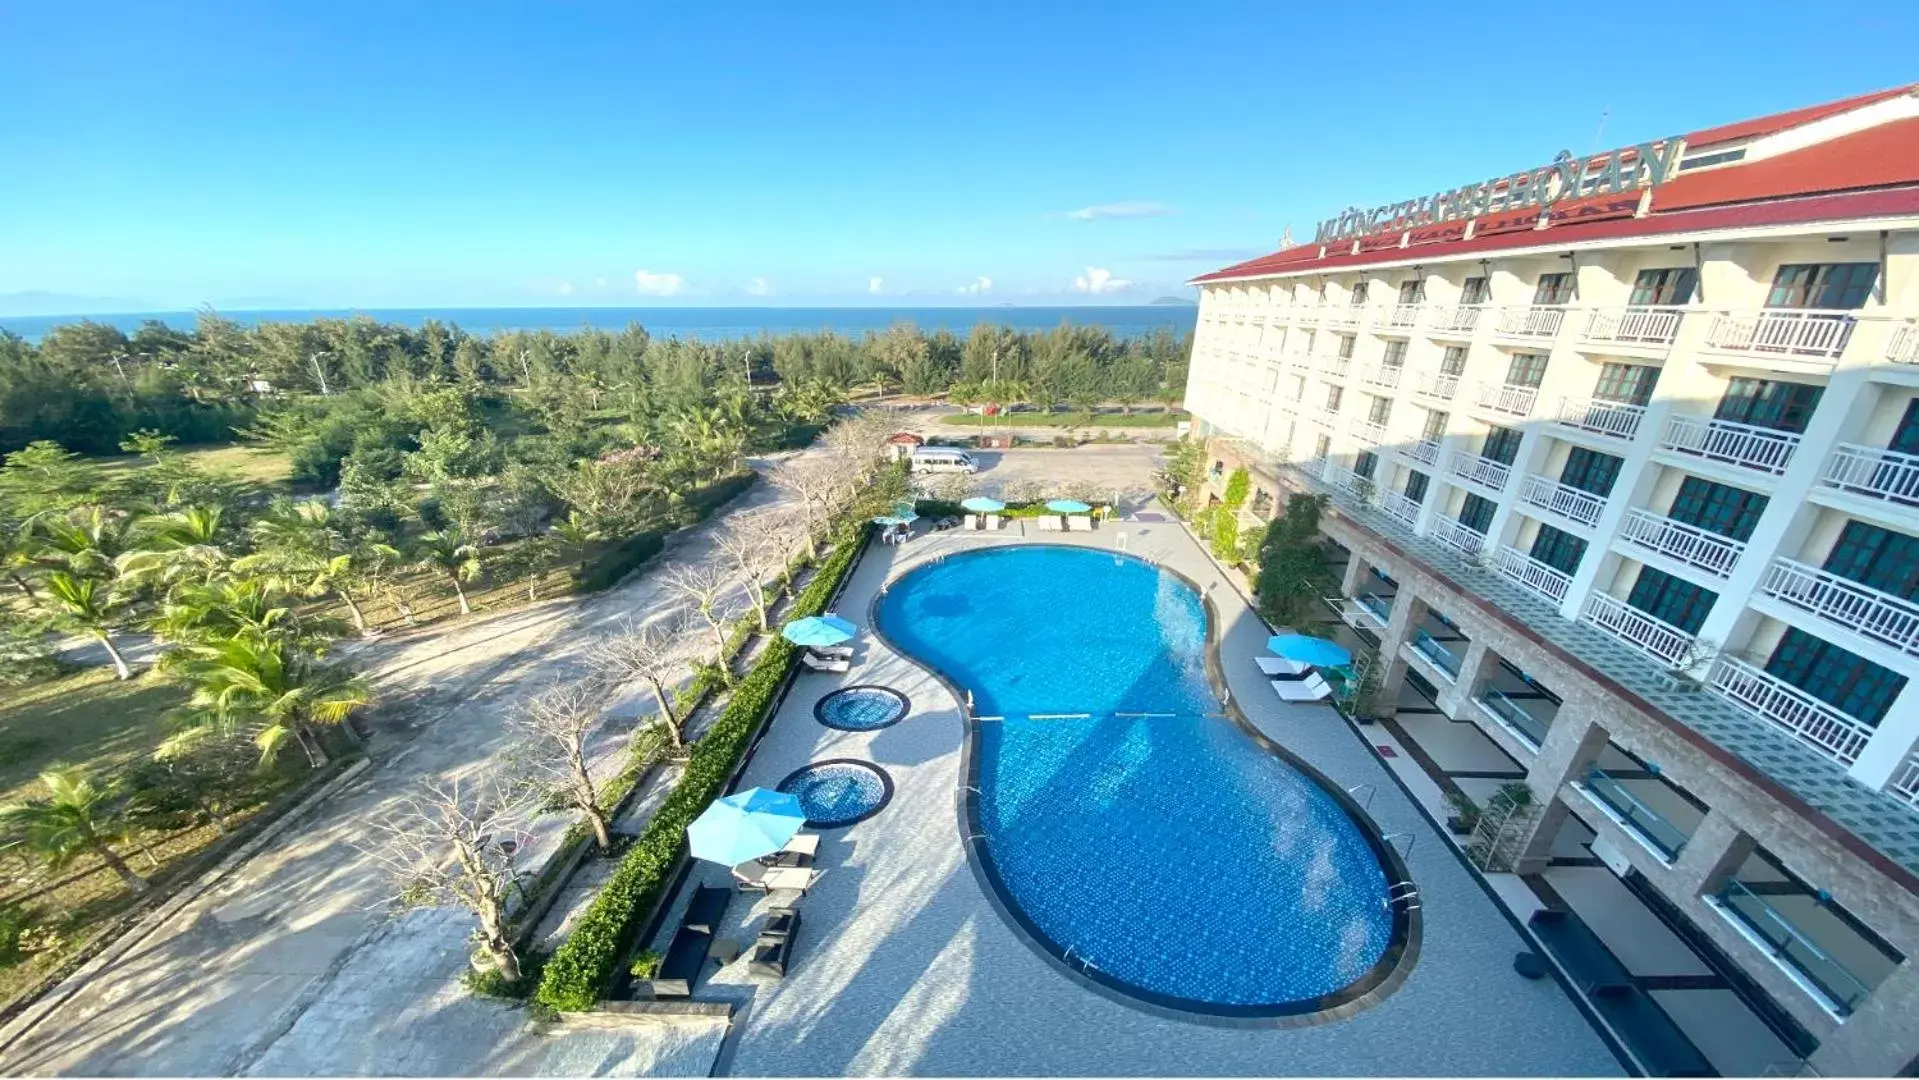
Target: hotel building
{"x":1624,"y":455}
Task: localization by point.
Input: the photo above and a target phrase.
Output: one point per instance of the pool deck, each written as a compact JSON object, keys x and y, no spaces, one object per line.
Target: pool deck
{"x":905,"y":966}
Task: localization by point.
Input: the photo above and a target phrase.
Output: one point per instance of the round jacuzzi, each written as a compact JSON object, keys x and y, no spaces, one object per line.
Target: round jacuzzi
{"x":840,"y":792}
{"x":861,"y":708}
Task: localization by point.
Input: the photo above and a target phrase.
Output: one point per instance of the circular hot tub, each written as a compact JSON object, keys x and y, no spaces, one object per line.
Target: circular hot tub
{"x":861,"y":708}
{"x":839,"y":792}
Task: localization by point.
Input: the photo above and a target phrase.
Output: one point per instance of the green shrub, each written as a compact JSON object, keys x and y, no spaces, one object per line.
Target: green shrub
{"x":491,"y":983}
{"x":645,"y":964}
{"x":619,"y":559}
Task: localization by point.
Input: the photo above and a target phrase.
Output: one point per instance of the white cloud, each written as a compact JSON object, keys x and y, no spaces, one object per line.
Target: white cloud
{"x":875,"y":284}
{"x":758,"y":287}
{"x":979,"y":285}
{"x":564,"y":288}
{"x":652,"y":284}
{"x":1120,"y":210}
{"x":599,"y":283}
{"x":1098,"y":280}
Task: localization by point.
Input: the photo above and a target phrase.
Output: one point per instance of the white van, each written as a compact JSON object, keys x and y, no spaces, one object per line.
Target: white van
{"x":938,"y":459}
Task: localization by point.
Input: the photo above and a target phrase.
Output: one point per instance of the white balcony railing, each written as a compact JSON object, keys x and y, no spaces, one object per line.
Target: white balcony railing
{"x":1459,"y":536}
{"x":1343,"y":316}
{"x":1507,"y":398}
{"x":1480,"y":470}
{"x":1601,"y":417}
{"x":1403,"y":509}
{"x":1868,"y":470}
{"x":1425,"y":451}
{"x":1335,"y":366}
{"x":1765,"y":449}
{"x":1437,"y":384}
{"x":1565,"y":500}
{"x":1455,"y":319}
{"x":1299,"y":360}
{"x":1902,"y":345}
{"x":1399,"y":316}
{"x":1881,"y":616}
{"x":1905,"y":780}
{"x":1804,"y":332}
{"x":1691,"y":545}
{"x":1531,"y":573}
{"x":1634,"y":325}
{"x":1772,"y":698}
{"x":1383,"y":375}
{"x":1355,"y":613}
{"x":1656,"y":638}
{"x":1530,"y":321}
{"x":1368,"y":432}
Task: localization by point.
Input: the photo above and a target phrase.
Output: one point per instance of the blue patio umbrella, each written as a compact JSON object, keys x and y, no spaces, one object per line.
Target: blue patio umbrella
{"x":745,"y":825}
{"x":815,"y":630}
{"x":980,"y":504}
{"x":1067,"y":506}
{"x":896,"y":518}
{"x":1309,"y":650}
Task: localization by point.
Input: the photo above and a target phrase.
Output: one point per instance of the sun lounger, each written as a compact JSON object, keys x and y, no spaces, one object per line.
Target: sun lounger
{"x":1281,"y":667}
{"x":1050,"y":523}
{"x":806,"y":843}
{"x":992,"y":522}
{"x":774,"y":950}
{"x":831,"y":652}
{"x":753,"y":876}
{"x":836,"y":665}
{"x":972,"y":521}
{"x":1310,"y":688}
{"x":1079,"y":523}
{"x":798,"y":851}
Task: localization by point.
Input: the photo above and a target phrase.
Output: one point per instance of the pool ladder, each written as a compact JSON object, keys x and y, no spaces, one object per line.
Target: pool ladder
{"x":1404,"y":892}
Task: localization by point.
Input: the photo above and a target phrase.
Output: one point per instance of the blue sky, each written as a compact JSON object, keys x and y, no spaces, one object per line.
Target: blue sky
{"x":415,"y":154}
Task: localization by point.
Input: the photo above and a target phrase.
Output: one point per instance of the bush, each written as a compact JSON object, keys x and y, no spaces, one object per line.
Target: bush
{"x":491,"y":983}
{"x":617,"y":560}
{"x":583,"y":967}
{"x":703,"y":501}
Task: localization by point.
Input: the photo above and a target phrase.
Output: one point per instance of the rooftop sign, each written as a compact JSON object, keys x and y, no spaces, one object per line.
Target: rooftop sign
{"x":1629,"y":168}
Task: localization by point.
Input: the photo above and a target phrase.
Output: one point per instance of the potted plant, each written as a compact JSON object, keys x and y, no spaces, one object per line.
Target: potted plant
{"x":1465,"y":816}
{"x":646,"y":964}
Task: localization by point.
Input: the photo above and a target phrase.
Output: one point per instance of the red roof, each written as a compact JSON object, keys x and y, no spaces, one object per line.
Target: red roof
{"x":1876,"y":157}
{"x":1792,"y":118}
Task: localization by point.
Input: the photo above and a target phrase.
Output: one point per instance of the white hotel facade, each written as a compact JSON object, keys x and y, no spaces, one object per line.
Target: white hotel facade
{"x":1629,"y":476}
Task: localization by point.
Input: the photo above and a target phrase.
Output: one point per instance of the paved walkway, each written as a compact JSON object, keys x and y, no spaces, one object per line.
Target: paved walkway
{"x":905,"y":967}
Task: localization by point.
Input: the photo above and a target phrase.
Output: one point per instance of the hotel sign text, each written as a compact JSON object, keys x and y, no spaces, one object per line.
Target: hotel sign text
{"x":1625,"y":169}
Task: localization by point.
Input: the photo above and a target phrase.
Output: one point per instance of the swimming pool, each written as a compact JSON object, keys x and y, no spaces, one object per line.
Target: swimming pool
{"x":1136,"y":834}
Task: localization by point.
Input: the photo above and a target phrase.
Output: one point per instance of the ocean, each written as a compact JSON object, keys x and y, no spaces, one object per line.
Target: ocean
{"x":706,"y":324}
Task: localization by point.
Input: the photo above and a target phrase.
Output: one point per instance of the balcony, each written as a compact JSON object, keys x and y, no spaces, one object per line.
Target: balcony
{"x":1357,"y":613}
{"x":1689,"y":545}
{"x":1874,"y":473}
{"x":1299,"y":360}
{"x":1436,"y":654}
{"x":1771,"y":698}
{"x":1483,"y":471}
{"x":1799,"y":332}
{"x":1456,"y":320}
{"x":1762,"y":449}
{"x":1425,"y":451}
{"x":1848,"y":605}
{"x":1368,"y":432}
{"x":1507,"y":398}
{"x":1459,"y":536}
{"x":1335,"y":367}
{"x":1574,"y":504}
{"x":1404,"y":510}
{"x":1383,"y":375}
{"x":1902,"y":345}
{"x":1656,"y":638}
{"x":1394,"y":317}
{"x":1633,"y":326}
{"x":1651,"y":826}
{"x":1535,"y":321}
{"x":1437,"y":385}
{"x":1790,"y":947}
{"x":1343,"y":316}
{"x":1512,"y":715}
{"x":1523,"y":569}
{"x":1905,"y":781}
{"x":1614,"y":419}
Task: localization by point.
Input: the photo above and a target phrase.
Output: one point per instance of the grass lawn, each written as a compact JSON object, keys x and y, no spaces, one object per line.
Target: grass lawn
{"x":1067,"y":419}
{"x":268,"y":470}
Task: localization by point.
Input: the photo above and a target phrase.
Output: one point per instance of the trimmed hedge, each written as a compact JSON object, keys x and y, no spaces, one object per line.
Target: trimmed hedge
{"x":583,"y":968}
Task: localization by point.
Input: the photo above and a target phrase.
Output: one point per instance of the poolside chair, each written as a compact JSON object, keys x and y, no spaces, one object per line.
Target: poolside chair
{"x":751,"y":876}
{"x":832,"y":665}
{"x":1049,"y":523}
{"x":992,"y":523}
{"x":972,"y":521}
{"x":1079,"y":523}
{"x":1281,"y":667}
{"x":1310,"y":688}
{"x":831,"y":652}
{"x":774,"y":949}
{"x":798,"y":851}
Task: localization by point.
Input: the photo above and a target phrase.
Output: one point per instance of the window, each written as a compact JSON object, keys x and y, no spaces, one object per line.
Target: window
{"x":1782,"y":406}
{"x":1323,"y":447}
{"x":1307,"y":348}
{"x":1667,"y":598}
{"x":1590,"y":470}
{"x":1559,"y":550}
{"x":1670,"y":287}
{"x":1629,"y":384}
{"x":1502,"y":445}
{"x":1416,"y":484}
{"x":1334,"y":395}
{"x":1526,"y":369}
{"x":1412,"y":292}
{"x":1837,"y":286}
{"x":1905,"y":438}
{"x":1395,"y":354}
{"x":1359,"y":293}
{"x":1380,"y":409}
{"x":1554,"y":289}
{"x":1473,"y":291}
{"x":1435,"y":428}
{"x":1345,"y":346}
{"x":1720,"y":508}
{"x":1717,"y":158}
{"x":1454,"y":362}
{"x":1366,"y":464}
{"x":1476,"y":513}
{"x":1877,"y":558}
{"x":1851,"y":684}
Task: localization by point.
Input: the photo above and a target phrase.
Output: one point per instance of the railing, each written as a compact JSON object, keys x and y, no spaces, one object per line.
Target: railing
{"x":1881,"y":616}
{"x":1650,"y":824}
{"x":1530,"y":320}
{"x":1397,"y":316}
{"x":1367,"y":432}
{"x":1424,"y":451}
{"x":1299,"y":359}
{"x":1343,"y":316}
{"x":1356,"y":614}
{"x":1507,"y":398}
{"x":1405,"y":510}
{"x":1635,"y":325}
{"x":1565,"y":500}
{"x":1905,"y":781}
{"x":1336,"y":366}
{"x":1523,"y":569}
{"x":1386,"y":375}
{"x":1789,"y":331}
{"x":1437,"y":653}
{"x":1764,"y":449}
{"x":1455,"y":319}
{"x":1699,"y":548}
{"x":1459,"y":536}
{"x":1380,"y":606}
{"x":1868,"y":470}
{"x":1601,"y":417}
{"x":1480,"y":470}
{"x":1773,"y":699}
{"x":1437,"y":384}
{"x":1902,"y":345}
{"x":1513,"y":716}
{"x":1655,"y":637}
{"x":1792,"y":948}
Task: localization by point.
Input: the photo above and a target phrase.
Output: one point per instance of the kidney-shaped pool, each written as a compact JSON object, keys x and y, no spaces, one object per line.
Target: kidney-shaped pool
{"x":1135,"y":833}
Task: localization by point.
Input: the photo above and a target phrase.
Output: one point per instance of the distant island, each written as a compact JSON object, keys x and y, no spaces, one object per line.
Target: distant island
{"x":1174,"y":301}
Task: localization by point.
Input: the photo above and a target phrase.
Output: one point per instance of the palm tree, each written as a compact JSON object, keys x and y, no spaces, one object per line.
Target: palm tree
{"x":20,"y":555}
{"x":174,"y":546}
{"x":268,"y":685}
{"x":305,"y":547}
{"x":576,"y":534}
{"x":87,"y":540}
{"x":91,"y":607}
{"x":198,"y":612}
{"x":448,"y":551}
{"x":77,"y":818}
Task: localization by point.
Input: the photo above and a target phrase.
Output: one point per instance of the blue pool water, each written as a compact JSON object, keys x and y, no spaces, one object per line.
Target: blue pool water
{"x":861,"y":708}
{"x":835,"y":793}
{"x":1179,"y":858}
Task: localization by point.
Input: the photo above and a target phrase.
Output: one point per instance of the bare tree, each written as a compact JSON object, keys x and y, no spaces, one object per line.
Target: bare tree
{"x":754,"y":543}
{"x":557,"y":726}
{"x":817,"y":489}
{"x":455,"y":842}
{"x":703,"y":588}
{"x":858,"y":442}
{"x":652,"y":652}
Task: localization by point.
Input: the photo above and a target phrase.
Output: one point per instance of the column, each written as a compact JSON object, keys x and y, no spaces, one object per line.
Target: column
{"x":1408,"y":612}
{"x":1879,"y":1039}
{"x":1892,"y":742}
{"x":1714,"y":850}
{"x":1474,"y":668}
{"x":1355,"y":576}
{"x":1571,"y":746}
